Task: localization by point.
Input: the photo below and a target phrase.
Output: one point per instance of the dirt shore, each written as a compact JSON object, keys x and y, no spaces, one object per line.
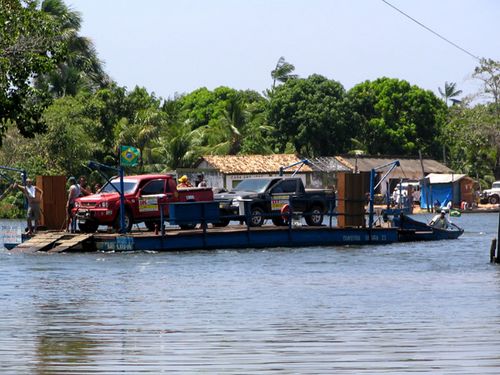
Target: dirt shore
{"x":478,"y":209}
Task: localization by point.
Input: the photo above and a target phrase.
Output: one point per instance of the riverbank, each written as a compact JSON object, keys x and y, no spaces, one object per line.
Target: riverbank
{"x":482,"y":208}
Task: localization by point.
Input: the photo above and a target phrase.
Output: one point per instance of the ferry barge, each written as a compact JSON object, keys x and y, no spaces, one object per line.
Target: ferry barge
{"x":354,"y":227}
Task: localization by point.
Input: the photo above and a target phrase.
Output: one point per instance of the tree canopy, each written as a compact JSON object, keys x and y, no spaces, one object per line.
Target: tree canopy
{"x":310,"y":114}
{"x":393,"y":117}
{"x":29,"y":47}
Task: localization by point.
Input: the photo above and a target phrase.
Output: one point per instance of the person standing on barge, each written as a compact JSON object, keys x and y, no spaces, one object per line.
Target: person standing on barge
{"x":34,"y":196}
{"x":73,"y":193}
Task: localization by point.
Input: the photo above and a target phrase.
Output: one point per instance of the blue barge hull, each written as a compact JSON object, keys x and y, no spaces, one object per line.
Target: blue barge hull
{"x":241,"y":237}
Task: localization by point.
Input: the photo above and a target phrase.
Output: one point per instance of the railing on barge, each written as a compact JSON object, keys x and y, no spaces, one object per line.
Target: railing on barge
{"x":184,"y":214}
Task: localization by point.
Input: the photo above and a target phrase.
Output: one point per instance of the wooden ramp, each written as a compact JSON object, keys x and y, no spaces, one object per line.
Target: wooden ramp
{"x":52,"y":242}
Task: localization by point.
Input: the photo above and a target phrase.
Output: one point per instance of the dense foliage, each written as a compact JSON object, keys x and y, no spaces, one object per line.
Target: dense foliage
{"x":392,"y":117}
{"x":29,"y":47}
{"x":311,"y":114}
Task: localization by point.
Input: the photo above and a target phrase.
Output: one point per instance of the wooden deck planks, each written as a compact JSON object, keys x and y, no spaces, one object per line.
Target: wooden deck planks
{"x":69,"y":243}
{"x":51,"y":242}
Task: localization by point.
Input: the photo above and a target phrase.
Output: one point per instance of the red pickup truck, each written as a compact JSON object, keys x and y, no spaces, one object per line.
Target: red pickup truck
{"x":144,"y":196}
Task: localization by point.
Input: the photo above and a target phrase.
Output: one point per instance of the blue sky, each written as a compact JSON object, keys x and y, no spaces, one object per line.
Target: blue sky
{"x":178,"y":46}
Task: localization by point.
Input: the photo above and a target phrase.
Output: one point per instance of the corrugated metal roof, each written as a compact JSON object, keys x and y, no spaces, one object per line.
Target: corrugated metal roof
{"x":234,"y":164}
{"x":327,"y":164}
{"x":365,"y":164}
{"x":445,"y":178}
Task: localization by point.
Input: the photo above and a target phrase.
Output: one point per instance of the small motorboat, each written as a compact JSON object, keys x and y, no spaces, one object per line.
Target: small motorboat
{"x":413,"y":230}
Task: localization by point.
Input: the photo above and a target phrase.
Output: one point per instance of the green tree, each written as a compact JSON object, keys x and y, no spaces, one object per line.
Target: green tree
{"x":202,"y":106}
{"x":177,"y":146}
{"x":450,"y":91}
{"x":142,"y":133}
{"x":310,"y":114}
{"x":142,"y":125}
{"x":68,"y":144}
{"x":470,"y":137}
{"x":226,"y":120}
{"x":224,"y":136}
{"x":258,"y":134}
{"x":393,"y":117}
{"x":488,"y":72}
{"x":80,"y":68}
{"x":29,"y":47}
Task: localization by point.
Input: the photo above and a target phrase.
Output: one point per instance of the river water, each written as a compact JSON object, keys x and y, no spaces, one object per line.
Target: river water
{"x":417,"y":307}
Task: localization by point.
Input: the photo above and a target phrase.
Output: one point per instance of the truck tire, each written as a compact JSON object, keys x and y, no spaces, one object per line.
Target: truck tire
{"x":128,"y":221}
{"x":256,"y":217}
{"x":221,"y":223}
{"x":494,"y":199}
{"x":88,"y":227}
{"x":279,"y":222}
{"x":187,"y":226}
{"x":314,"y":217}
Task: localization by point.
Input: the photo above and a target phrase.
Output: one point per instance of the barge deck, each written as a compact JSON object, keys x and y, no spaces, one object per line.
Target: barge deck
{"x":232,"y":237}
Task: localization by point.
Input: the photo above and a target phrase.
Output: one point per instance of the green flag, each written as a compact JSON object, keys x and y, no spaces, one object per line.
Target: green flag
{"x":129,"y":156}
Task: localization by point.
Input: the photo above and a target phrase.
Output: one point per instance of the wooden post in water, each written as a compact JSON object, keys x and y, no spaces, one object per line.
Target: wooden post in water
{"x":498,"y":235}
{"x":493,"y":255}
{"x":495,"y":245}
{"x":424,"y":182}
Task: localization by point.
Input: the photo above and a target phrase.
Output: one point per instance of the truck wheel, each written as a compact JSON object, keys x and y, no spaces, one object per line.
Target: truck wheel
{"x":88,"y":227}
{"x":187,"y":226}
{"x":221,"y":223}
{"x":279,"y":222}
{"x":128,"y":221}
{"x":284,"y":219}
{"x":314,"y":217}
{"x":256,"y":217}
{"x":494,"y":199}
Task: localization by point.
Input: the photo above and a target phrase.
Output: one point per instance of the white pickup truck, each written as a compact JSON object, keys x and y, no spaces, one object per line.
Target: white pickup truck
{"x":492,"y":195}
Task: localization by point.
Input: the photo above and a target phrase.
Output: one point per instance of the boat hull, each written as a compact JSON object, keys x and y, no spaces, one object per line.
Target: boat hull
{"x":413,"y":230}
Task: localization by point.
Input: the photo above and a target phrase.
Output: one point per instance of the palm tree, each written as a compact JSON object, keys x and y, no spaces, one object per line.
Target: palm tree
{"x":80,"y":67}
{"x":142,"y":133}
{"x":224,"y":136}
{"x":178,"y":146}
{"x":282,"y":72}
{"x":449,"y":91}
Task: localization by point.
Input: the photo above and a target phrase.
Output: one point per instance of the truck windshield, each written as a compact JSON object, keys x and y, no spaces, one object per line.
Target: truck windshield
{"x":128,"y":184}
{"x":253,"y":185}
{"x":496,"y":185}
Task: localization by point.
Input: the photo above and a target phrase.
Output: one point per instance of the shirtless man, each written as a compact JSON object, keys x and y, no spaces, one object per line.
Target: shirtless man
{"x":34,"y":196}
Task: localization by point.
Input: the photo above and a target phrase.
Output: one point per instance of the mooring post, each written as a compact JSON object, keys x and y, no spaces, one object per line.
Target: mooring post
{"x":498,"y":234}
{"x":493,"y":254}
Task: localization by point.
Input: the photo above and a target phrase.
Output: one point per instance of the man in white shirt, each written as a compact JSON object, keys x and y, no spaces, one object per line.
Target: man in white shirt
{"x":440,"y":221}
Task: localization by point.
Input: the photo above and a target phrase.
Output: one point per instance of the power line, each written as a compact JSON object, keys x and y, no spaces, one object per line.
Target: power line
{"x":432,"y":31}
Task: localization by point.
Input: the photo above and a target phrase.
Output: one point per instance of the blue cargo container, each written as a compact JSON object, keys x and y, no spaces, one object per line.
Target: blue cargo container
{"x":183,"y":213}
